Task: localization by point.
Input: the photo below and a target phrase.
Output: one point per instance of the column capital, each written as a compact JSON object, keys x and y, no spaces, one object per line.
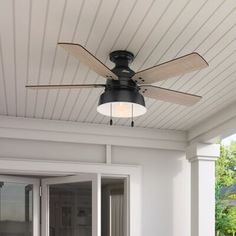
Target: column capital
{"x":203,"y":151}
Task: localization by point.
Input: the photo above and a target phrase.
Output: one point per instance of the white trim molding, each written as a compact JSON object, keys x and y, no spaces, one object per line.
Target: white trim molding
{"x":74,"y":132}
{"x":216,"y":127}
{"x":203,"y":151}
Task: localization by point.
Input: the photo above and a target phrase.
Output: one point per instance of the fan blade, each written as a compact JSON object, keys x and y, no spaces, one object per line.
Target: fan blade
{"x":166,"y":70}
{"x":88,"y":59}
{"x":65,"y":86}
{"x":169,"y":95}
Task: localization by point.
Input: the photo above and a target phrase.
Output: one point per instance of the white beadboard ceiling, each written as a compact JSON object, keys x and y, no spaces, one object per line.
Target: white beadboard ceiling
{"x":154,"y":30}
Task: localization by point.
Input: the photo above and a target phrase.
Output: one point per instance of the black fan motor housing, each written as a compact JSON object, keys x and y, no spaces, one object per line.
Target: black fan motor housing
{"x":122,"y":59}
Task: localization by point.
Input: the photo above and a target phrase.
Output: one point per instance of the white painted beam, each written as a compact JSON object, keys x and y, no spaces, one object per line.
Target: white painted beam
{"x":73,"y":132}
{"x":216,"y":127}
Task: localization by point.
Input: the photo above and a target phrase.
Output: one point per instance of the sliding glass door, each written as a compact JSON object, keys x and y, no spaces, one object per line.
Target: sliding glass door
{"x":78,"y":205}
{"x":71,"y":206}
{"x":19,"y":206}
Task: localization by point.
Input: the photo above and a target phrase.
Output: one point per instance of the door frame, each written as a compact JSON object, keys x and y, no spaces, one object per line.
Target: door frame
{"x":36,"y":197}
{"x":61,"y":168}
{"x":96,"y":199}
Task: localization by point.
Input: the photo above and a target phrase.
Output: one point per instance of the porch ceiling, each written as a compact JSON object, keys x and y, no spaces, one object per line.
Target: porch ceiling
{"x":155,"y":31}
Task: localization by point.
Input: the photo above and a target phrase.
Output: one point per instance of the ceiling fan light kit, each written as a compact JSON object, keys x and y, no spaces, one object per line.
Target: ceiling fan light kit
{"x":121,"y":103}
{"x":124,"y":89}
{"x":121,"y":98}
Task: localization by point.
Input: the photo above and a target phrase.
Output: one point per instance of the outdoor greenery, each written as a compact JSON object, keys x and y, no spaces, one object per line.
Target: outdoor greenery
{"x":226,"y":191}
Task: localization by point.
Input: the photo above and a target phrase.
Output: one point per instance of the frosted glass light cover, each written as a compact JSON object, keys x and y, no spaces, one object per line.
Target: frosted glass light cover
{"x":121,"y":109}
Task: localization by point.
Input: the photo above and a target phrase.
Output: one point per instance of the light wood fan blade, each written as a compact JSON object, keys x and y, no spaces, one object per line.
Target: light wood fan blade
{"x":169,"y":95}
{"x":166,"y":70}
{"x":88,"y":59}
{"x":65,"y":86}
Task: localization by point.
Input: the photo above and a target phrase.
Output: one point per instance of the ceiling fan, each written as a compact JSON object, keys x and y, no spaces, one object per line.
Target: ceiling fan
{"x":124,"y":89}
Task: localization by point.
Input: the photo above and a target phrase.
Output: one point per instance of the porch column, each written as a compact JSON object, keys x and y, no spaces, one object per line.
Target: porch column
{"x":202,"y":158}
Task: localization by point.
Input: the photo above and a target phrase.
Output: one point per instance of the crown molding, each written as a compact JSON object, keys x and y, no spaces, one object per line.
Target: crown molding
{"x":74,"y":132}
{"x":215,"y":128}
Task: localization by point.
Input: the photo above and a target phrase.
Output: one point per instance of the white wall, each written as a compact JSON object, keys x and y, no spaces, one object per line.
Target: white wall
{"x":166,"y":189}
{"x":45,"y":150}
{"x":166,"y":178}
{"x":166,"y":174}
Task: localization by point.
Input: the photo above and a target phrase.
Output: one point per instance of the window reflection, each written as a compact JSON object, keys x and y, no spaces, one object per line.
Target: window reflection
{"x":71,"y":209}
{"x":113,"y":207}
{"x":15,"y":209}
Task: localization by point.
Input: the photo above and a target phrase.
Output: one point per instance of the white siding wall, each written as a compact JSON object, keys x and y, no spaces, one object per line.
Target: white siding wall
{"x":166,"y":189}
{"x":165,"y":185}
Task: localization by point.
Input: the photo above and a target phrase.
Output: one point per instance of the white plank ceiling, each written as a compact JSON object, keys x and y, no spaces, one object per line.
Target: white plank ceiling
{"x":154,"y":30}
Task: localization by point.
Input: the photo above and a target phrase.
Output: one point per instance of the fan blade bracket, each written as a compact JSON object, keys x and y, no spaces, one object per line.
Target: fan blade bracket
{"x":110,"y":77}
{"x":139,"y":80}
{"x":143,"y":90}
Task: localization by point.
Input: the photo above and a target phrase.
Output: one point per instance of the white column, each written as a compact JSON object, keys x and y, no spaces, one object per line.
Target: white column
{"x":202,"y":157}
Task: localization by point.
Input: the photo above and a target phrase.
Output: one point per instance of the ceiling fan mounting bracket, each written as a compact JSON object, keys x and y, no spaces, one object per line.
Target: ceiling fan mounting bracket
{"x":122,"y":59}
{"x":120,"y":56}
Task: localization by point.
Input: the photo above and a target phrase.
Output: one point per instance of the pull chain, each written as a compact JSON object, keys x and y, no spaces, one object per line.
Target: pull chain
{"x":111,"y":122}
{"x":132,"y":122}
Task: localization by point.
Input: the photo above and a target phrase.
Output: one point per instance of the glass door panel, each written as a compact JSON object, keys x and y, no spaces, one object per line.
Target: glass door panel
{"x":69,"y":206}
{"x":70,"y":209}
{"x":114,"y":206}
{"x":19,"y":206}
